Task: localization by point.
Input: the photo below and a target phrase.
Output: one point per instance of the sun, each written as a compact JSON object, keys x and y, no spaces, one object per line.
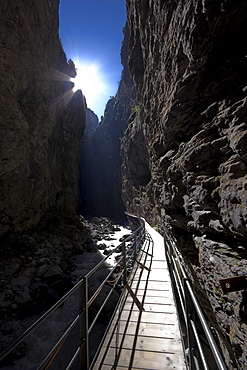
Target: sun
{"x":89,"y":81}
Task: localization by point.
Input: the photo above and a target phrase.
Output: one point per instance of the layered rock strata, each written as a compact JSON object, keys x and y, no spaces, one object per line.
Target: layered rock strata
{"x":41,"y":118}
{"x":185,"y":152}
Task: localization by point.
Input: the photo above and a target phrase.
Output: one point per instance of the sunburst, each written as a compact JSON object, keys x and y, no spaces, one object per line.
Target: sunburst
{"x":89,"y":81}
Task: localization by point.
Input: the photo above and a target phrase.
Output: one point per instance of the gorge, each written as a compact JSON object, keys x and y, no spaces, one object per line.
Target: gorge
{"x":172,"y":145}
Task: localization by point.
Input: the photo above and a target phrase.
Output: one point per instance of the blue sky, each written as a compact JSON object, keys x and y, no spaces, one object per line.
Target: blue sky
{"x":91,"y":34}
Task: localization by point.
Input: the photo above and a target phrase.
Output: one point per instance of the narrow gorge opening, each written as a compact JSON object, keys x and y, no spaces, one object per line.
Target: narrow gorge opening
{"x":92,"y":34}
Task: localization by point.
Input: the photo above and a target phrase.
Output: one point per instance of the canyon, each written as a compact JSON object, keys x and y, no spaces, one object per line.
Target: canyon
{"x":42,"y":120}
{"x":172,"y":145}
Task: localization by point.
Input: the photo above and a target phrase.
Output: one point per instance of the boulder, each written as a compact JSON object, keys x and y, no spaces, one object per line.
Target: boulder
{"x":53,"y":273}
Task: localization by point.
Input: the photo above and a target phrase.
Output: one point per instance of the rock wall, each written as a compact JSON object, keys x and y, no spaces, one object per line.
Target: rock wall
{"x":41,"y":119}
{"x":185,"y":153}
{"x":102,"y":180}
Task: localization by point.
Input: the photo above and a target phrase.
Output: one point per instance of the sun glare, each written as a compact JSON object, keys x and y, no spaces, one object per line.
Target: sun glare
{"x":88,"y":80}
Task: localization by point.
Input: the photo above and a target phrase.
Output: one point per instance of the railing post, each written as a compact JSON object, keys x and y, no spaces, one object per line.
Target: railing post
{"x":84,"y":343}
{"x":136,"y":243}
{"x":190,"y":315}
{"x":124,"y":263}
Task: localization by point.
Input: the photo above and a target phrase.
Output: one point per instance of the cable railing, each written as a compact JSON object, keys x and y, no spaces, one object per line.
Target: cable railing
{"x":117,"y":275}
{"x":201,"y":348}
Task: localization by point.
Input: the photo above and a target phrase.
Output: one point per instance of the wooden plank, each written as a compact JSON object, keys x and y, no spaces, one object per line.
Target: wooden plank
{"x":152,"y":307}
{"x":159,"y":277}
{"x":152,"y":284}
{"x":163,"y":330}
{"x":155,"y":293}
{"x":154,"y":344}
{"x":157,"y":274}
{"x":151,"y":317}
{"x":162,"y":269}
{"x":145,"y":360}
{"x":160,"y":300}
{"x":156,"y":259}
{"x":167,"y":298}
{"x":160,"y":330}
{"x":109,"y":367}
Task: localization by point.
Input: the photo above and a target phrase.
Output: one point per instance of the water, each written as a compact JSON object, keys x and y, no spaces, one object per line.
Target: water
{"x":113,"y":243}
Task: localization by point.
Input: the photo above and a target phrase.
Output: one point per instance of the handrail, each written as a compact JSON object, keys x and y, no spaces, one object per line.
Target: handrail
{"x":144,"y":257}
{"x":133,"y":240}
{"x":198,"y":337}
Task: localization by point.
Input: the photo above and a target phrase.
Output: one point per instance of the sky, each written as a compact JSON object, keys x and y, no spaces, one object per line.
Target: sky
{"x":91,"y":35}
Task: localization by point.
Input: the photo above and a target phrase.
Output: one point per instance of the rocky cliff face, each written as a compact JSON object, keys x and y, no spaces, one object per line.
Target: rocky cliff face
{"x":41,"y":119}
{"x":185,"y":152}
{"x":102,"y":180}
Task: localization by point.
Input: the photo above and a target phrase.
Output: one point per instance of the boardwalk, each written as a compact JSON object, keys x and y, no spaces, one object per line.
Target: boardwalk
{"x":145,"y":334}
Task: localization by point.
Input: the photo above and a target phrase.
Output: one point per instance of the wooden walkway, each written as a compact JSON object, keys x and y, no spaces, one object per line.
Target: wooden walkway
{"x":147,"y":337}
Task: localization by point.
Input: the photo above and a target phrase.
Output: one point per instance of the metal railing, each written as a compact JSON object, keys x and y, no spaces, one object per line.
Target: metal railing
{"x":143,"y":263}
{"x":201,"y":348}
{"x":129,"y":250}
